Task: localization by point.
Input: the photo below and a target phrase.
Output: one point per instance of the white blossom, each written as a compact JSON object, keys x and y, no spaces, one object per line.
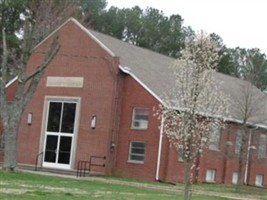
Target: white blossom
{"x":195,"y":104}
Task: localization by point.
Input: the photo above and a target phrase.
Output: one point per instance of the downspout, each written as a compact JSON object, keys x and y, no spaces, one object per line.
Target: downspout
{"x":159,"y":147}
{"x":113,"y":130}
{"x":247,"y":158}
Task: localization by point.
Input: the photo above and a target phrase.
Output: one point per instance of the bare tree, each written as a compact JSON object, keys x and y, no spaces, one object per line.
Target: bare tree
{"x":194,"y":106}
{"x":248,"y":106}
{"x":37,"y":18}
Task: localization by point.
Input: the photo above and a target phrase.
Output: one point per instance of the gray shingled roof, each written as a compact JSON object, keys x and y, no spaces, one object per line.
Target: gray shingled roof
{"x":153,"y":70}
{"x":149,"y":67}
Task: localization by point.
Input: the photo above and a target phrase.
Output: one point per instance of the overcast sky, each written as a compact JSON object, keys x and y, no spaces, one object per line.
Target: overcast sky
{"x":239,"y":22}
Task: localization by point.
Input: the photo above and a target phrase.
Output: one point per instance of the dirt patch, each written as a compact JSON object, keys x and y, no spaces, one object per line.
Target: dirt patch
{"x":14,"y":191}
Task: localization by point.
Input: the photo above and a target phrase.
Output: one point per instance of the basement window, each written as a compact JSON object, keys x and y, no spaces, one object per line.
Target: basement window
{"x":136,"y":152}
{"x":259,"y":180}
{"x":234,"y":177}
{"x":140,"y":118}
{"x":210,"y":175}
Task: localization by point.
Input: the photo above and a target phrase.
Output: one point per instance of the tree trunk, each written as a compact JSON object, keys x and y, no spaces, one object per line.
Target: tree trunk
{"x":241,"y":160}
{"x":240,"y":177}
{"x":188,"y":182}
{"x":10,"y":142}
{"x":195,"y":177}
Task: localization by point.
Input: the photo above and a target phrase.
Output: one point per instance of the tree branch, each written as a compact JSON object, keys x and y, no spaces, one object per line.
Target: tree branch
{"x":37,"y":74}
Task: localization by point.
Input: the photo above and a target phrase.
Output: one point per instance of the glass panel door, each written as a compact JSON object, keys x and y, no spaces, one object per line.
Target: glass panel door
{"x":64,"y":150}
{"x":59,"y":134}
{"x":51,"y":148}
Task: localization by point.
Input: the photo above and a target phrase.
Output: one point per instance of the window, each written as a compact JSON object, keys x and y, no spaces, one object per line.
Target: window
{"x":262,"y":146}
{"x":234,"y":177}
{"x":214,"y":138}
{"x":140,"y":118}
{"x":137,"y":152}
{"x":210,"y":175}
{"x":238,"y":142}
{"x":259,"y":180}
{"x":2,"y":141}
{"x":61,"y":117}
{"x":180,"y":154}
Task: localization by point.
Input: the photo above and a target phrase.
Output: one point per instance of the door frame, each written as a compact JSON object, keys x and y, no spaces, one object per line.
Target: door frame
{"x":43,"y":137}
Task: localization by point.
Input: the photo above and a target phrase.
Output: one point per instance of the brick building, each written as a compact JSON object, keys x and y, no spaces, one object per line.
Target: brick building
{"x":96,"y":98}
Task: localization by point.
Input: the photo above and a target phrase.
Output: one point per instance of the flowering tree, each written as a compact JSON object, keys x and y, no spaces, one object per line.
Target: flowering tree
{"x":194,"y":105}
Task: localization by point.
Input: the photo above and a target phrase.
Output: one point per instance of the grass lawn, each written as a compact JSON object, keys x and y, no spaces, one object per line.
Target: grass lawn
{"x":28,"y":186}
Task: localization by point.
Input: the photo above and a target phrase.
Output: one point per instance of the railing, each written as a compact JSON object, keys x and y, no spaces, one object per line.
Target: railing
{"x":36,"y":160}
{"x":85,"y":165}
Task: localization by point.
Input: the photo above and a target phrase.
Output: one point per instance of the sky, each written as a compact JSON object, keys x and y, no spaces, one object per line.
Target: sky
{"x":240,"y":23}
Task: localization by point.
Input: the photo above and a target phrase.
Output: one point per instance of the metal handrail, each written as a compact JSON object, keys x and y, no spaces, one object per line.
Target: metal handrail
{"x":96,"y":165}
{"x":84,"y":165}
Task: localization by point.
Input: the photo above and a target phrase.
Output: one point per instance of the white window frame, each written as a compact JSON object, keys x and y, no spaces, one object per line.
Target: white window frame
{"x":210,"y":175}
{"x":259,"y":180}
{"x":143,"y":124}
{"x":235,"y":178}
{"x":130,"y":154}
{"x":214,"y":140}
{"x":262,"y":146}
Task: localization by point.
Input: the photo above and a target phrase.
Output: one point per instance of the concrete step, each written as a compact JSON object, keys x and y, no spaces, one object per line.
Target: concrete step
{"x":58,"y":171}
{"x":49,"y":170}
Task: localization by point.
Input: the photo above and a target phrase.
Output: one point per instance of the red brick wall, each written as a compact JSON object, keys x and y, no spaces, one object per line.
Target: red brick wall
{"x":10,"y":91}
{"x":257,"y":165}
{"x":79,"y":56}
{"x":134,"y":95}
{"x":224,"y":161}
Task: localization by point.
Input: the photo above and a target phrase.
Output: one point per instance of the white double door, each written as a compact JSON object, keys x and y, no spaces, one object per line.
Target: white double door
{"x":59,"y":134}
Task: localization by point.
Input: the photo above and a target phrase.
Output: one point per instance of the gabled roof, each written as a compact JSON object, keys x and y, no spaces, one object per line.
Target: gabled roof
{"x":152,"y":71}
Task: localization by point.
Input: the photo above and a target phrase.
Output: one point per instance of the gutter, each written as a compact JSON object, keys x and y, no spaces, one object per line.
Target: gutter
{"x":159,"y":148}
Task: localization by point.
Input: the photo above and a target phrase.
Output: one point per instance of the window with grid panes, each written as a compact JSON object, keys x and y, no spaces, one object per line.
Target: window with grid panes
{"x":140,"y":118}
{"x":136,"y":152}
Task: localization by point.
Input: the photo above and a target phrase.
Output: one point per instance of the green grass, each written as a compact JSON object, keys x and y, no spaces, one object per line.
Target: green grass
{"x":28,"y":186}
{"x":230,"y":189}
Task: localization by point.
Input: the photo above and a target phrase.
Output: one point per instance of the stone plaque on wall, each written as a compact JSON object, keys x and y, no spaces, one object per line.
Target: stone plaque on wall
{"x":70,"y":82}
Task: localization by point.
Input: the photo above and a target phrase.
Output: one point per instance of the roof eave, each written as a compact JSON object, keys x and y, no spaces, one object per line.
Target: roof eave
{"x":83,"y":29}
{"x":128,"y":71}
{"x":11,"y":81}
